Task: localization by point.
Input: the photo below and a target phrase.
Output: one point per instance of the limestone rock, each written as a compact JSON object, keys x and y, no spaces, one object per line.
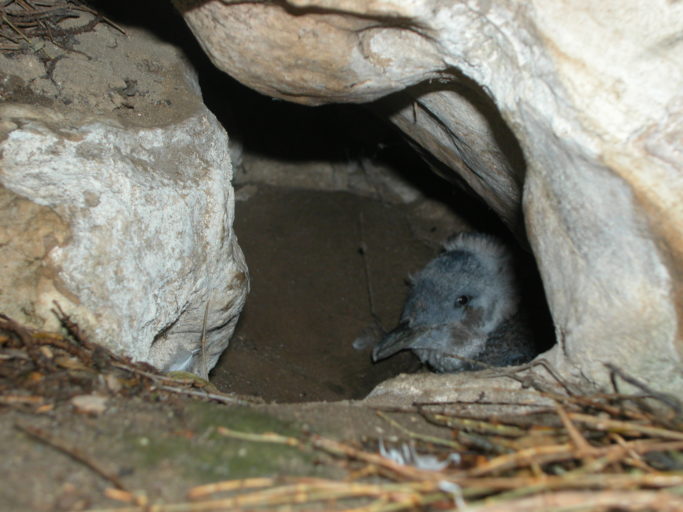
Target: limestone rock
{"x":363,"y":177}
{"x":304,"y":51}
{"x":117,"y":207}
{"x":478,"y":397}
{"x":590,"y":91}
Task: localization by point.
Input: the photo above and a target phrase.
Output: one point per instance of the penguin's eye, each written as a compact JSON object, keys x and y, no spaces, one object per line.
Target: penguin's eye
{"x":463,"y":300}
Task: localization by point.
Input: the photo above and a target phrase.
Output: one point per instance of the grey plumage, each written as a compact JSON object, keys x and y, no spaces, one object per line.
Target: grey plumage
{"x":464,"y":303}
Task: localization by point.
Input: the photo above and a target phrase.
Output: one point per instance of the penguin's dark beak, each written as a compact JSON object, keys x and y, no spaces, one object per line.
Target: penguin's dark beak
{"x":401,"y":338}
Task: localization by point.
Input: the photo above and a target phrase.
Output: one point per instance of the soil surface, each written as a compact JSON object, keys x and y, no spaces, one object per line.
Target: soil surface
{"x":160,"y":449}
{"x":315,"y":260}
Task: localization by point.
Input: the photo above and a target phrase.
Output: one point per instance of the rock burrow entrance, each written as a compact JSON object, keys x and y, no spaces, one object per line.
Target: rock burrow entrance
{"x":334,"y":210}
{"x":299,"y":346}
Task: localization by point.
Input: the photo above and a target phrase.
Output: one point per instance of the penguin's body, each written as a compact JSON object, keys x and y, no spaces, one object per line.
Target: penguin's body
{"x":463,"y":307}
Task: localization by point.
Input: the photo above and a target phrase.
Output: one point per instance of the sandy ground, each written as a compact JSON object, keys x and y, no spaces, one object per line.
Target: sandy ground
{"x":310,"y":295}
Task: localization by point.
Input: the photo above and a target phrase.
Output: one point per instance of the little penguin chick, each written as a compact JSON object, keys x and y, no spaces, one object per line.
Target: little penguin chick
{"x":463,"y":307}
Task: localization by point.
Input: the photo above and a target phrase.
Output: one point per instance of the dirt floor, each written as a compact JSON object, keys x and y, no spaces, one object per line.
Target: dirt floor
{"x":314,"y":259}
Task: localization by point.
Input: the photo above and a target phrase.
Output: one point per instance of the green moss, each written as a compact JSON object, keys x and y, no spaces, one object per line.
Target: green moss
{"x":207,"y":456}
{"x":244,"y":419}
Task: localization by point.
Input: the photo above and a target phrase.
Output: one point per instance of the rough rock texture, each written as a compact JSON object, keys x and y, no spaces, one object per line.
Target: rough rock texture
{"x":362,"y":177}
{"x":590,"y":90}
{"x":481,"y":397}
{"x":116,"y":200}
{"x":459,"y":126}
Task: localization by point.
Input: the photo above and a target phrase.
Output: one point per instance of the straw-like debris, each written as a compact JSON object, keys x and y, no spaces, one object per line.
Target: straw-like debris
{"x":40,"y":369}
{"x":562,"y":468}
{"x":26,"y":24}
{"x":606,"y":452}
{"x":588,"y":453}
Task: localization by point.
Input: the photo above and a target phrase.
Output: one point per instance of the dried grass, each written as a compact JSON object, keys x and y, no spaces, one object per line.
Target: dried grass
{"x":603,"y":452}
{"x":26,"y":24}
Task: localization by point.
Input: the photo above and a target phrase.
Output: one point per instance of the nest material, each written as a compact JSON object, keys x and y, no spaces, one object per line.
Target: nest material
{"x":585,"y":462}
{"x":26,"y":24}
{"x":607,"y":452}
{"x":39,"y":370}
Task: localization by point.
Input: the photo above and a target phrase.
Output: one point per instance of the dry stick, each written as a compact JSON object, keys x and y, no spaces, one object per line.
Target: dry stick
{"x":57,"y":340}
{"x":665,"y":398}
{"x":21,"y":399}
{"x":72,"y":452}
{"x":430,"y":439}
{"x":594,"y":402}
{"x":581,"y":500}
{"x":268,"y":437}
{"x":27,"y":339}
{"x":74,"y":329}
{"x":574,"y":398}
{"x":152,"y":376}
{"x":124,"y":496}
{"x":587,"y":401}
{"x":490,"y":437}
{"x":488,"y":444}
{"x":79,"y":339}
{"x":366,"y":268}
{"x":35,"y":18}
{"x":526,"y":381}
{"x":205,"y":394}
{"x":181,"y":382}
{"x":598,"y":464}
{"x":633,"y":459}
{"x":228,"y":486}
{"x":551,"y":371}
{"x":81,"y":349}
{"x":522,"y":458}
{"x":100,"y":17}
{"x":474,"y":425}
{"x":582,"y":446}
{"x":67,"y":323}
{"x":563,"y":452}
{"x":19,"y":32}
{"x":571,"y":398}
{"x":405,"y":495}
{"x":625,"y":426}
{"x":184,"y":383}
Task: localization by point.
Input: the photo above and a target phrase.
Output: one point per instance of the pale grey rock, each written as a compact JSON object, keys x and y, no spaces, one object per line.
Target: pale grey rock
{"x":146,"y":216}
{"x":590,"y":91}
{"x":482,"y":394}
{"x":116,"y":202}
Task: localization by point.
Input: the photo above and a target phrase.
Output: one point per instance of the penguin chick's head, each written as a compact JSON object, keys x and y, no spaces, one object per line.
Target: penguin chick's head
{"x":455,"y":303}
